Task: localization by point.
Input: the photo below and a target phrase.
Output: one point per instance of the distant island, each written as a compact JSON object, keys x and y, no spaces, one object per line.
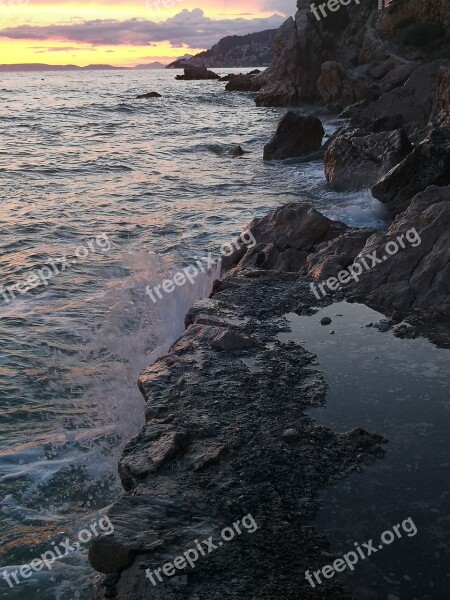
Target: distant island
{"x":44,"y":67}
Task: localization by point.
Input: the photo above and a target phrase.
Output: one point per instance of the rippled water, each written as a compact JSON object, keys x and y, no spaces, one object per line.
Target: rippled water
{"x":80,"y":157}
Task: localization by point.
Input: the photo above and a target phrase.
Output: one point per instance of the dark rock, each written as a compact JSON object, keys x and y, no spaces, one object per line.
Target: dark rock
{"x":106,"y":556}
{"x":149,"y":95}
{"x":357,"y":158}
{"x":418,"y":275}
{"x":243,"y":83}
{"x":236,"y":151}
{"x":428,"y":164}
{"x":354,"y":110}
{"x":284,"y":238}
{"x":192,"y":73}
{"x":290,"y":435}
{"x":338,"y":89}
{"x":325,"y":321}
{"x":296,"y":135}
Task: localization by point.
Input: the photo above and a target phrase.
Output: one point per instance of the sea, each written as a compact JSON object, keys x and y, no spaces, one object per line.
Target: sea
{"x":101,"y":196}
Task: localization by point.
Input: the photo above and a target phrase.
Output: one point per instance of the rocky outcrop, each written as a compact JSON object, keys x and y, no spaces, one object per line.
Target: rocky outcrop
{"x":296,"y":135}
{"x":358,"y":158}
{"x":338,"y":89}
{"x":148,"y":95}
{"x":413,"y":102}
{"x":417,"y":276}
{"x":284,"y":239}
{"x":292,"y":77}
{"x":246,"y":452}
{"x":197,"y":73}
{"x":428,"y":164}
{"x":243,"y":83}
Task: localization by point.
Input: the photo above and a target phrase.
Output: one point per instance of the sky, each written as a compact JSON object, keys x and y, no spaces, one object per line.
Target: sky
{"x":123,"y":33}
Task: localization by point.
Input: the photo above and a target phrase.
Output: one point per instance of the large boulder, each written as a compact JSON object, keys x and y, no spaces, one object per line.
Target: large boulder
{"x":417,"y":276}
{"x":284,"y":239}
{"x":296,"y":135}
{"x":192,"y":73}
{"x":428,"y":164}
{"x":358,"y":158}
{"x":338,"y":89}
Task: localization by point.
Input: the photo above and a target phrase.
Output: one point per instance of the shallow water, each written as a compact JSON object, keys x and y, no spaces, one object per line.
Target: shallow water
{"x":80,"y":158}
{"x":398,"y":388}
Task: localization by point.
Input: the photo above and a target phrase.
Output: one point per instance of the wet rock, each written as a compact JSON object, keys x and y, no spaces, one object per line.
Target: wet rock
{"x":290,"y":435}
{"x":288,"y":233}
{"x":418,"y":275}
{"x":107,"y":556}
{"x":428,"y":164}
{"x":325,"y":321}
{"x":228,"y":340}
{"x":193,"y":73}
{"x":204,"y":456}
{"x":149,"y":95}
{"x":236,"y":151}
{"x":296,"y":135}
{"x":357,"y":158}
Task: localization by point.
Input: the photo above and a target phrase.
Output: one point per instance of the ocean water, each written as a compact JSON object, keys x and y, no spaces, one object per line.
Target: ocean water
{"x":104,"y":195}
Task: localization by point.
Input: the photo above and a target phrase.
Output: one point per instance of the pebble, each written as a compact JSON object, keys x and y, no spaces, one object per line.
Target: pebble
{"x":325,"y":320}
{"x":290,"y":435}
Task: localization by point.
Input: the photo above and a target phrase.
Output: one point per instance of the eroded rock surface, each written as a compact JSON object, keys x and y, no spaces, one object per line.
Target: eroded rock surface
{"x":245,"y":446}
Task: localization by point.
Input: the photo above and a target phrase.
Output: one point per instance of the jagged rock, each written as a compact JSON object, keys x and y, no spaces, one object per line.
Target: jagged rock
{"x":228,"y":340}
{"x":357,"y":158}
{"x":417,"y":276}
{"x":428,"y":164}
{"x":192,"y":73}
{"x":243,"y":83}
{"x":338,"y":89}
{"x":337,"y":254}
{"x":292,"y":77}
{"x":284,"y":238}
{"x":155,"y":446}
{"x":204,"y":456}
{"x":412,"y":101}
{"x":437,"y":11}
{"x":296,"y":135}
{"x":149,"y":95}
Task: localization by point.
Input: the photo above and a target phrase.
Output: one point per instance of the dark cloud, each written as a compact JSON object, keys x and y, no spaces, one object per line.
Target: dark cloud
{"x":187,"y":27}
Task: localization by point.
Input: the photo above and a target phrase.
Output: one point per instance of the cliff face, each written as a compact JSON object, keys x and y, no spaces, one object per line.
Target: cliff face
{"x":252,"y":50}
{"x":365,"y":45}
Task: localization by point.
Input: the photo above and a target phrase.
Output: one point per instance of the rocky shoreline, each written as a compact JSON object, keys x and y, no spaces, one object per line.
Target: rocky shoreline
{"x":226,"y":432}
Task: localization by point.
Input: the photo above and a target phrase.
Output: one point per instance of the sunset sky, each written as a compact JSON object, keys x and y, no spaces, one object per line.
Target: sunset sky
{"x":126,"y":33}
